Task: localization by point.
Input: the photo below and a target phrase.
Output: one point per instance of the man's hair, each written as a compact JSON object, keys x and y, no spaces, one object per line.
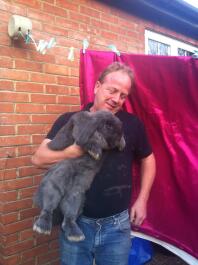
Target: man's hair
{"x":115,"y":67}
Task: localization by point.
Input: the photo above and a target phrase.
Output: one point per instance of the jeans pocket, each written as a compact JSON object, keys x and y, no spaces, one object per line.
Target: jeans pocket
{"x":124,"y":224}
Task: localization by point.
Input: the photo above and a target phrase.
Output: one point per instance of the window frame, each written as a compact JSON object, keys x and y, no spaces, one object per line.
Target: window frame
{"x":174,"y":44}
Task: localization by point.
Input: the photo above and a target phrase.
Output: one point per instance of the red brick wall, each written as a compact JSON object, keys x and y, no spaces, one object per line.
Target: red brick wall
{"x":34,"y":90}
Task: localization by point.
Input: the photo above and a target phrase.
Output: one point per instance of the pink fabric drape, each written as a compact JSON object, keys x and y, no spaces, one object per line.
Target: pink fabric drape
{"x":165,"y":97}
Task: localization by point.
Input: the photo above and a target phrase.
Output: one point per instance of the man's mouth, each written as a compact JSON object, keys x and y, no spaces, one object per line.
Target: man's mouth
{"x":112,"y":106}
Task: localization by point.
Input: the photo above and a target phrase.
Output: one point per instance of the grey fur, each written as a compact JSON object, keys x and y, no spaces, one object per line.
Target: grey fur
{"x":64,"y":184}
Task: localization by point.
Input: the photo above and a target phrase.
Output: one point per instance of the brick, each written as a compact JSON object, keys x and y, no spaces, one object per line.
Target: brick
{"x":9,"y":239}
{"x":90,"y":29}
{"x":36,"y":251}
{"x":4,"y":15}
{"x":6,"y":107}
{"x":27,"y":193}
{"x":52,"y":255}
{"x":6,"y":85}
{"x":56,"y":262}
{"x":61,"y":59}
{"x":6,"y":62}
{"x":57,"y":108}
{"x":17,"y":227}
{"x":8,"y":174}
{"x":7,"y":152}
{"x":67,"y":5}
{"x":54,"y":244}
{"x":55,"y":69}
{"x":56,"y":89}
{"x":8,"y":196}
{"x":26,"y":149}
{"x":29,"y":87}
{"x":41,"y":16}
{"x":14,"y":140}
{"x":13,"y":260}
{"x":42,"y":78}
{"x":76,"y":35}
{"x":28,"y":233}
{"x":100,"y":24}
{"x":9,"y":218}
{"x":110,"y":18}
{"x":14,"y":74}
{"x":3,"y":27}
{"x":31,"y":261}
{"x":28,"y":65}
{"x":37,"y":139}
{"x":14,"y":52}
{"x":13,"y":97}
{"x":65,"y":42}
{"x":43,"y":98}
{"x":74,"y":72}
{"x":33,"y":3}
{"x":4,"y":39}
{"x":18,"y":184}
{"x":17,"y":205}
{"x":57,"y":31}
{"x":66,"y":23}
{"x":74,"y":91}
{"x":69,"y":81}
{"x":79,"y":17}
{"x":43,"y":119}
{"x":29,"y":108}
{"x":90,"y":12}
{"x":7,"y":130}
{"x":37,"y":179}
{"x":109,"y":35}
{"x":50,"y":9}
{"x":47,"y":58}
{"x":37,"y":26}
{"x":69,"y":100}
{"x":19,"y":247}
{"x":29,"y":213}
{"x":43,"y":238}
{"x":50,"y":1}
{"x":74,"y":108}
{"x":14,"y":118}
{"x":31,"y":129}
{"x":18,"y":162}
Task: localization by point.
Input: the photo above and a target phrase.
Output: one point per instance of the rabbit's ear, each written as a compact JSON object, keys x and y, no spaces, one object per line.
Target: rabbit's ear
{"x":64,"y":137}
{"x":87,"y":130}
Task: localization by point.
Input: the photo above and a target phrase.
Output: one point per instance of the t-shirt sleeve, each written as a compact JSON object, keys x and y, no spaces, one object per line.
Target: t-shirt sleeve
{"x":58,"y":124}
{"x":143,"y":147}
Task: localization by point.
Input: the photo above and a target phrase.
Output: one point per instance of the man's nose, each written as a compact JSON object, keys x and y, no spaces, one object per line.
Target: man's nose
{"x":116,"y":98}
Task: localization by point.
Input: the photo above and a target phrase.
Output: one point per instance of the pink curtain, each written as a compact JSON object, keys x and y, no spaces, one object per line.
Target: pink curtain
{"x":165,"y":97}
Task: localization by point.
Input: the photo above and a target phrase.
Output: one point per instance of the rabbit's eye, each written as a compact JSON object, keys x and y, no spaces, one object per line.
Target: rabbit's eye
{"x":108,"y":126}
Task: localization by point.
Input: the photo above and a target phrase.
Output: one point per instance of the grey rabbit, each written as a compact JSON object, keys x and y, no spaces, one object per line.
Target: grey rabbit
{"x":65,"y":183}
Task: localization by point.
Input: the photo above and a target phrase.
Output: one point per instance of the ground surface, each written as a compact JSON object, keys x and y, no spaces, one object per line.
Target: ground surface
{"x":164,"y":257}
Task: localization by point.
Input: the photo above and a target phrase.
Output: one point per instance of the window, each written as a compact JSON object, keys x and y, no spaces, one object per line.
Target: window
{"x":159,"y":44}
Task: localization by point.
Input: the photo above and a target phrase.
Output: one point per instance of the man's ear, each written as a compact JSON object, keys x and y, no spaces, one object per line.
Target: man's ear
{"x":97,"y":86}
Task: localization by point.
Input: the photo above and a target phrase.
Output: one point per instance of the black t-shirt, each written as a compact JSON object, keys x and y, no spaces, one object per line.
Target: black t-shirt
{"x":110,"y":192}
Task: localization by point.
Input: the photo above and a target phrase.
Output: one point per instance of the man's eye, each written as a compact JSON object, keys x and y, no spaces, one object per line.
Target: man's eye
{"x":111,"y":90}
{"x":123,"y":97}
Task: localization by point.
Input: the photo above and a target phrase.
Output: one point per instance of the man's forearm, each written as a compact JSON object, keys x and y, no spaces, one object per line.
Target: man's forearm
{"x":148,"y":169}
{"x":44,"y":157}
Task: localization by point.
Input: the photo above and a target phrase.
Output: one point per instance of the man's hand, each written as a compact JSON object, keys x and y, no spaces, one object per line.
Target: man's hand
{"x":138,"y":212}
{"x":44,"y":157}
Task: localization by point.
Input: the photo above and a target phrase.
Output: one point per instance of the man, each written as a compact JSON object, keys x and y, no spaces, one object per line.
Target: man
{"x":105,"y":220}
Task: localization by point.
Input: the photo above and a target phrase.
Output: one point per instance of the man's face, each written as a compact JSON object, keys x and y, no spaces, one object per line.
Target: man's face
{"x":111,"y":94}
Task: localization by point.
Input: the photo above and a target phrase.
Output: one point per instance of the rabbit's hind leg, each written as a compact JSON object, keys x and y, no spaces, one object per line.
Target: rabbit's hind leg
{"x":71,"y":208}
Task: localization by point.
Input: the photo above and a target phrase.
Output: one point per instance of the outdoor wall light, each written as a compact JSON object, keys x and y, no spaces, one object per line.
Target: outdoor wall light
{"x":19,"y":26}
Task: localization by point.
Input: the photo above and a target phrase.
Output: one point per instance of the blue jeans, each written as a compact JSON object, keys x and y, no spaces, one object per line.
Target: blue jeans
{"x":107,"y":240}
